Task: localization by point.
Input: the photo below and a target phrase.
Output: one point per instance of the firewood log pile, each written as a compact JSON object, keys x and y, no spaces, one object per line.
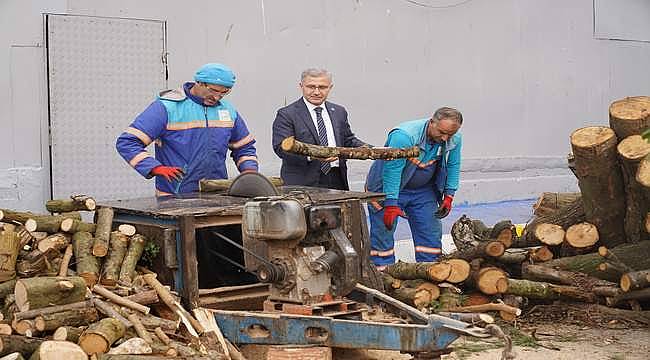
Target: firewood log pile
{"x":73,"y":289}
{"x":592,"y":246}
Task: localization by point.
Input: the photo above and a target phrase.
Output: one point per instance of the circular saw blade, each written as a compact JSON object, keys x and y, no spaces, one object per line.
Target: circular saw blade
{"x":252,"y":185}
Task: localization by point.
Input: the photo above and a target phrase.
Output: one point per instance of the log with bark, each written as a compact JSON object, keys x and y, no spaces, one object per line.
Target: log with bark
{"x":291,"y":145}
{"x":636,"y":256}
{"x":504,"y":232}
{"x":635,"y":280}
{"x":24,"y":327}
{"x":491,"y":280}
{"x":48,"y":223}
{"x":487,"y":307}
{"x":600,"y":181}
{"x":643,"y":294}
{"x":111,"y":268}
{"x":630,"y":116}
{"x":120,"y":300}
{"x":112,"y":311}
{"x":419,"y":293}
{"x":76,"y":317}
{"x":75,"y":203}
{"x":16,"y":343}
{"x":133,"y":254}
{"x":612,"y":261}
{"x":30,"y":314}
{"x":564,"y":277}
{"x":146,"y":297}
{"x":87,"y":264}
{"x":38,"y":263}
{"x":547,"y":291}
{"x":57,"y":241}
{"x":65,"y":261}
{"x":9,"y":248}
{"x":484,"y":249}
{"x":98,"y":337}
{"x":632,"y":150}
{"x":74,"y":226}
{"x":103,"y":231}
{"x":35,"y":293}
{"x":140,"y":329}
{"x":214,"y":185}
{"x":550,"y":202}
{"x":68,"y":333}
{"x":533,"y":254}
{"x":434,"y":271}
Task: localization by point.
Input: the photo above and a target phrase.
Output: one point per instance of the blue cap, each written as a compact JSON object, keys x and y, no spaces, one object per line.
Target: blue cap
{"x":217,"y":74}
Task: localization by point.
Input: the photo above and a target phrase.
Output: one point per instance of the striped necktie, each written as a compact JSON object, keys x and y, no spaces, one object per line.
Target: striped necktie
{"x":322,"y":137}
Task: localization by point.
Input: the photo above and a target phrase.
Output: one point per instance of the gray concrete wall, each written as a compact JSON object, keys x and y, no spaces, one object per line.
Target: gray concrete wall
{"x":525,"y":74}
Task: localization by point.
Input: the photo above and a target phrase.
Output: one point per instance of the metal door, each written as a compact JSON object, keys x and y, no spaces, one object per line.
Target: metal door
{"x":102,"y":72}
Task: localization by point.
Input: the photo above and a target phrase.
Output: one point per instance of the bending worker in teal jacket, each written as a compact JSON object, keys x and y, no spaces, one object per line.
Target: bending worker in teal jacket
{"x":420,"y":189}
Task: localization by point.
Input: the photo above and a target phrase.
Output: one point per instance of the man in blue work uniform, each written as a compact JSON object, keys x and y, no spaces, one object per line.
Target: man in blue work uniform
{"x":192,"y":128}
{"x":420,"y":189}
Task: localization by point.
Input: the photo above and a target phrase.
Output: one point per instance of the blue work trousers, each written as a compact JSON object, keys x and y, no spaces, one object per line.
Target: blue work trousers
{"x":426,"y":230}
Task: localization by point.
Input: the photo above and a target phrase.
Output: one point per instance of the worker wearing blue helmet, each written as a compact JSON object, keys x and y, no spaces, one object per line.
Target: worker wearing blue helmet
{"x":192,"y":128}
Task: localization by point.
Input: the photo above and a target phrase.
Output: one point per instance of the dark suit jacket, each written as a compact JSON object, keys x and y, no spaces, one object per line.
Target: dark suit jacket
{"x":295,"y":120}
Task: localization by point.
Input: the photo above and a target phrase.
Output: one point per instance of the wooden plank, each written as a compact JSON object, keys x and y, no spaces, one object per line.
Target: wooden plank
{"x":190,"y":291}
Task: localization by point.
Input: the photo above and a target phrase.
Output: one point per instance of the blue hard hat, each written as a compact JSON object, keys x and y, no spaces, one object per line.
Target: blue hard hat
{"x":217,"y":74}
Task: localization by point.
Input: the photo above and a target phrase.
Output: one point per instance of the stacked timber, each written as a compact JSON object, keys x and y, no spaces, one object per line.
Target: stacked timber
{"x":73,"y":289}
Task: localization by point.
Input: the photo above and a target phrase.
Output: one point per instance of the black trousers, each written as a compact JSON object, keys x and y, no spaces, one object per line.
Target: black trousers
{"x":332,"y":180}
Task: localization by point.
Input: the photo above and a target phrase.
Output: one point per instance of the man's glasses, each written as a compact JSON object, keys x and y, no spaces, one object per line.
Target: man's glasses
{"x":217,"y":92}
{"x":317,"y":87}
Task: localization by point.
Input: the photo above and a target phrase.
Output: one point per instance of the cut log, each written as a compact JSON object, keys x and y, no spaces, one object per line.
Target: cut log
{"x":412,"y":296}
{"x":547,"y":291}
{"x":7,"y":215}
{"x":57,"y":241}
{"x":630,"y":116}
{"x":132,"y":346}
{"x":643,"y":173}
{"x":504,"y":232}
{"x":566,"y":216}
{"x":643,"y":294}
{"x":434,"y":271}
{"x":613,"y":260}
{"x":637,"y":256}
{"x":9,"y":248}
{"x":534,"y":254}
{"x":111,"y":268}
{"x":632,"y":150}
{"x":5,"y":329}
{"x":47,"y":223}
{"x":75,"y":203}
{"x":572,"y":278}
{"x":120,"y":300}
{"x":133,"y":254}
{"x":291,"y":145}
{"x":582,"y":235}
{"x":21,"y":344}
{"x":36,"y":293}
{"x":214,"y":185}
{"x":79,"y":203}
{"x":147,"y":297}
{"x":482,"y":250}
{"x":466,"y":233}
{"x":390,"y":282}
{"x":65,"y":262}
{"x":600,"y":181}
{"x":127,"y":229}
{"x":635,"y":280}
{"x":492,"y":281}
{"x":459,"y":270}
{"x":549,"y":234}
{"x":77,"y":317}
{"x":7,"y":288}
{"x":67,"y":333}
{"x":74,"y":226}
{"x":99,"y":337}
{"x":87,"y":264}
{"x":103,"y":231}
{"x":540,"y":254}
{"x":55,"y":350}
{"x":478,"y":319}
{"x":140,"y":329}
{"x":38,"y":263}
{"x":30,"y":314}
{"x":151,"y":322}
{"x":550,"y":202}
{"x":487,"y":307}
{"x":24,"y":327}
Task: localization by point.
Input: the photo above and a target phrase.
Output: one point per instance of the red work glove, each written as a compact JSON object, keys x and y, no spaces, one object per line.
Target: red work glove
{"x":391,"y":213}
{"x":168,"y":172}
{"x":445,"y":208}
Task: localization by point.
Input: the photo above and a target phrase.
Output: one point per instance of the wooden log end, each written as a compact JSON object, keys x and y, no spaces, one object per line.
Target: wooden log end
{"x":633,"y":148}
{"x":460,"y":270}
{"x":66,"y":224}
{"x":625,"y":282}
{"x":439,"y":271}
{"x":592,"y":136}
{"x":31,"y":225}
{"x":20,"y":295}
{"x":602,"y":251}
{"x":89,"y":278}
{"x":495,"y":248}
{"x":549,"y":234}
{"x":93,"y":343}
{"x":91,"y":204}
{"x":287,"y":143}
{"x":582,"y":235}
{"x":100,"y":250}
{"x":127,"y":229}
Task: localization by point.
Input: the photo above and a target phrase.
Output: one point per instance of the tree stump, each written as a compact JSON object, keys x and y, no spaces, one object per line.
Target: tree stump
{"x":632,"y":150}
{"x":630,"y":116}
{"x":39,"y":292}
{"x":87,"y":264}
{"x":99,"y":337}
{"x":600,"y":181}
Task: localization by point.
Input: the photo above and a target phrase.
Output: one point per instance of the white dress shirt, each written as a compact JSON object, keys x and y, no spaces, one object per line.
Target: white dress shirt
{"x":331,"y":140}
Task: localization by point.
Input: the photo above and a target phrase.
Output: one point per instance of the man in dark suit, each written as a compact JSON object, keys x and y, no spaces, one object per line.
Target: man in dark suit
{"x":313,"y":120}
